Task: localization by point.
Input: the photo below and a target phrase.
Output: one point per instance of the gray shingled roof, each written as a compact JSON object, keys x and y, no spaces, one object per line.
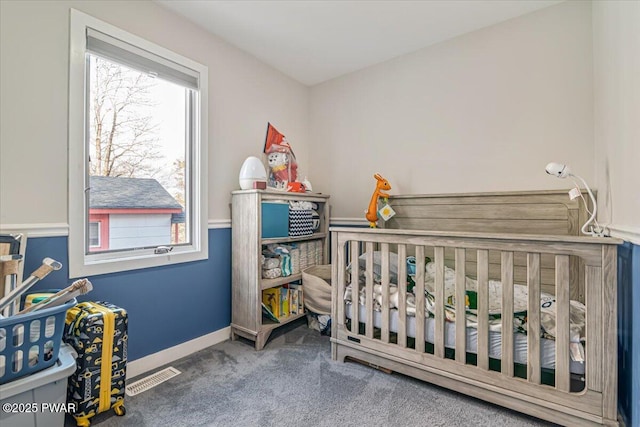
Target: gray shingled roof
{"x":109,"y":192}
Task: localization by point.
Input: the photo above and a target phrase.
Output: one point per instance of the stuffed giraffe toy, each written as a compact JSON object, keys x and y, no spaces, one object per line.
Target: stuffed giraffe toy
{"x":372,"y":212}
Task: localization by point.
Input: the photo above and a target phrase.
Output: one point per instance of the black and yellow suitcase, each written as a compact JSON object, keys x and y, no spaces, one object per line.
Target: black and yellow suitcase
{"x":98,"y":332}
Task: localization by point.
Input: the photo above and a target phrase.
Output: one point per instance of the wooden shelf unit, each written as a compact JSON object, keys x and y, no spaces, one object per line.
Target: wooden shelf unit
{"x":246,"y":273}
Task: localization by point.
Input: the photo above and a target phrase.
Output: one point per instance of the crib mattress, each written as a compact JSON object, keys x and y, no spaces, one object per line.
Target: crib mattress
{"x":547,"y":347}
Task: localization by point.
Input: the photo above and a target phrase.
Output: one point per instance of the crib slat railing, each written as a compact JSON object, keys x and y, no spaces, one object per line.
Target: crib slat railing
{"x":402,"y":295}
{"x":533,"y":318}
{"x":420,"y":299}
{"x":439,"y":309}
{"x":355,"y":286}
{"x":599,"y":262}
{"x":483,"y":309}
{"x":461,"y":310}
{"x":369,"y":289}
{"x":384,"y":333}
{"x":507,"y":314}
{"x":563,"y":380}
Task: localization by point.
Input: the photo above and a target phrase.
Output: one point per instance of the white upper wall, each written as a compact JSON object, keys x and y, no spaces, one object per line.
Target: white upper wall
{"x":34,"y":60}
{"x":616,"y":46}
{"x":482,"y":112}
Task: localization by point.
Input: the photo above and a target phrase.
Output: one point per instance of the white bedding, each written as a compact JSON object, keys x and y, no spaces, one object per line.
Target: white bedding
{"x":520,"y":298}
{"x":547,"y":313}
{"x":547,"y":346}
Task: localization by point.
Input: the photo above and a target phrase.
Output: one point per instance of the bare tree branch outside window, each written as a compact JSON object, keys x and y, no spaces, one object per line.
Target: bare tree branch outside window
{"x":127,"y":136}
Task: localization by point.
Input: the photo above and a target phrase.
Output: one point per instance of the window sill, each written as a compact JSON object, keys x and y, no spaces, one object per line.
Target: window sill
{"x":96,"y":264}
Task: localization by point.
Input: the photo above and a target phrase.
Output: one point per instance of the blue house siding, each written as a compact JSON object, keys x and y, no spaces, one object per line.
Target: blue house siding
{"x":629,"y":333}
{"x":166,"y":305}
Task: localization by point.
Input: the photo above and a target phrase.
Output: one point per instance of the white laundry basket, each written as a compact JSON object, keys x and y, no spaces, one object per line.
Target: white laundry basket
{"x":38,"y":398}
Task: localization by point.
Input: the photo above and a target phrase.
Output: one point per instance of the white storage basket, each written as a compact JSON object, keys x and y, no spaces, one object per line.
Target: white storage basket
{"x":316,"y":285}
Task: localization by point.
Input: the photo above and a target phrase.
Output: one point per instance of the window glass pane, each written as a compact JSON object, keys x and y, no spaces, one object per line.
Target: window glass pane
{"x":94,"y":234}
{"x":138,"y":144}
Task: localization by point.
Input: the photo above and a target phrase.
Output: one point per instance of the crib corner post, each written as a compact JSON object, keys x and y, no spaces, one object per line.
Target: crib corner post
{"x":334,"y":294}
{"x":334,"y":350}
{"x":334,"y":290}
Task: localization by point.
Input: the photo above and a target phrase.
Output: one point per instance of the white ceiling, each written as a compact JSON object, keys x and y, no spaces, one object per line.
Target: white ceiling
{"x":314,"y":41}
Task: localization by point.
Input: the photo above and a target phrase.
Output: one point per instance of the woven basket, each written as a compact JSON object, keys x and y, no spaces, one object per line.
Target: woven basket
{"x":316,"y":283}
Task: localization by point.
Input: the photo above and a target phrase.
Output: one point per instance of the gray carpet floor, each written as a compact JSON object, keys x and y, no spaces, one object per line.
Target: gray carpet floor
{"x":294,"y":382}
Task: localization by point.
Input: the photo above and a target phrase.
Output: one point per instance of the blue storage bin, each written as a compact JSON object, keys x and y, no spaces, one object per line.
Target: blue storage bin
{"x":275,"y":219}
{"x":30,"y":342}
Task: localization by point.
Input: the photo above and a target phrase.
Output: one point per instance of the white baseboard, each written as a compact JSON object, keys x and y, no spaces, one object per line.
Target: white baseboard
{"x":62,"y":229}
{"x":153,"y":361}
{"x":219,"y":223}
{"x":630,"y":234}
{"x":37,"y":230}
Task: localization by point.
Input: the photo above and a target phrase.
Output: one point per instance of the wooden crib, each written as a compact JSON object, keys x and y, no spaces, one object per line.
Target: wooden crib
{"x":567,"y":266}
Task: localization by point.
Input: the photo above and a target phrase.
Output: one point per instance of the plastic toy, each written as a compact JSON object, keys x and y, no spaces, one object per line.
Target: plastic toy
{"x":372,"y":212}
{"x":283,"y":168}
{"x":279,"y":169}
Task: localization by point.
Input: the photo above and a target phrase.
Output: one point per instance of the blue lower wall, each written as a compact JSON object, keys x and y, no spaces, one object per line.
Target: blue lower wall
{"x":629,"y":333}
{"x":166,"y":305}
{"x":170,"y":305}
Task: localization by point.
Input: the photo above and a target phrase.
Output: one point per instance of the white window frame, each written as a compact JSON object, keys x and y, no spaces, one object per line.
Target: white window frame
{"x":82,"y":263}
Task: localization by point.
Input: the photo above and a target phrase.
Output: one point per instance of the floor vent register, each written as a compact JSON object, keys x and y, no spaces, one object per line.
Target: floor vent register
{"x":151,"y":381}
